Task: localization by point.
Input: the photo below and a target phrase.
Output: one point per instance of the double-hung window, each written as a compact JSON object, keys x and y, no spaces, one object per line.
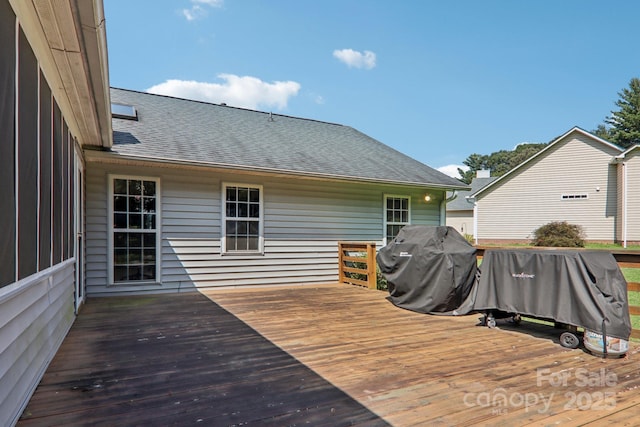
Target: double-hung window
{"x":134,"y":204}
{"x":397,"y":215}
{"x":242,"y":219}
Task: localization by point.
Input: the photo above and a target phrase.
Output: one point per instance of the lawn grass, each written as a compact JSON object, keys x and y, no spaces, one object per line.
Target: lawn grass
{"x":612,"y":247}
{"x":588,"y":245}
{"x":633,"y":275}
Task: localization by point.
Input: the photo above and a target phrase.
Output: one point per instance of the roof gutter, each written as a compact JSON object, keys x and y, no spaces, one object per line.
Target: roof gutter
{"x":110,"y":157}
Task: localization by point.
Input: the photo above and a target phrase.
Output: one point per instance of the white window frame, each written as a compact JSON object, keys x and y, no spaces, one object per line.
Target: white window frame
{"x":110,"y":243}
{"x":223,"y":225}
{"x":384,"y":213}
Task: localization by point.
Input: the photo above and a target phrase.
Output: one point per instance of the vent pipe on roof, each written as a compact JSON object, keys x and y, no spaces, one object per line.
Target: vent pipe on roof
{"x":271,"y":116}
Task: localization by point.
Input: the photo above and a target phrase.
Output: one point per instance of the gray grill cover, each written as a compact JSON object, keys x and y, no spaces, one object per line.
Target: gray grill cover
{"x":579,"y":288}
{"x":429,"y":269}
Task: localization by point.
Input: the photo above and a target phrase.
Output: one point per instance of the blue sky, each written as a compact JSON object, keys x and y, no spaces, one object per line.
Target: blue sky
{"x":436,"y":80}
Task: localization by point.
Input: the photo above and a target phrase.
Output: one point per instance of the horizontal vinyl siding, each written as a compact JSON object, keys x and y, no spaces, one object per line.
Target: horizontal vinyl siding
{"x":462,"y":221}
{"x":303,"y":222}
{"x":532,"y":197}
{"x":95,"y":228}
{"x":35,"y":316}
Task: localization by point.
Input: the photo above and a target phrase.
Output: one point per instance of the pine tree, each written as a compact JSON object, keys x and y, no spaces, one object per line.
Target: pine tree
{"x":625,"y":123}
{"x":498,"y":162}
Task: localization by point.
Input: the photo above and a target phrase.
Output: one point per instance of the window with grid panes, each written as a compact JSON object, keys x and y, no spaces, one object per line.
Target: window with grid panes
{"x":397,"y":215}
{"x":242,"y":219}
{"x":135,"y":232}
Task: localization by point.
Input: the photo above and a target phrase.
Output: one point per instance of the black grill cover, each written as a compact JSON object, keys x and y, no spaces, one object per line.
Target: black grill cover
{"x":579,"y":288}
{"x":429,"y":269}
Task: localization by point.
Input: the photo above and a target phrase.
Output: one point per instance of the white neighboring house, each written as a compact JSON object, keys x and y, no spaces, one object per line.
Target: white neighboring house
{"x":574,"y":179}
{"x":460,"y":210}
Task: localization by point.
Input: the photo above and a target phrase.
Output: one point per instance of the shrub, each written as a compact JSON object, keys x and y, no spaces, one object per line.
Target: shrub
{"x":381,"y":282}
{"x":559,"y":234}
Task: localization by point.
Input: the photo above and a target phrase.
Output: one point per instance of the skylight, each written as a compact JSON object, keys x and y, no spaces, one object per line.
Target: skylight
{"x":121,"y":111}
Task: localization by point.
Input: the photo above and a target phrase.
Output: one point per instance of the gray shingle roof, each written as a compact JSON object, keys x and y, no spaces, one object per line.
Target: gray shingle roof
{"x":182,"y":130}
{"x":460,"y":203}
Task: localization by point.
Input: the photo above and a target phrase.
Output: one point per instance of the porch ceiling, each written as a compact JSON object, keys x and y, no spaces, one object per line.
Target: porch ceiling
{"x":69,"y":39}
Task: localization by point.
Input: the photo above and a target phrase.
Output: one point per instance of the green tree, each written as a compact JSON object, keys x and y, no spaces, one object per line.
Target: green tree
{"x":498,"y":162}
{"x":603,"y":132}
{"x":624,"y":124}
{"x":475,"y":162}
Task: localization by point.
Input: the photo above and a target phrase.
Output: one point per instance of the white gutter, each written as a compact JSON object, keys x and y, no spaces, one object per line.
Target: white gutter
{"x":475,"y":217}
{"x":110,"y":157}
{"x":475,"y":222}
{"x":443,"y":207}
{"x":624,"y":205}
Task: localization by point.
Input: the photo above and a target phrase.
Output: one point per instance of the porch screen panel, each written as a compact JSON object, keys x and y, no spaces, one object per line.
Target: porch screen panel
{"x":71,"y":199}
{"x":7,"y":144}
{"x":57,"y":185}
{"x":45,"y":174}
{"x":65,"y":190}
{"x":27,"y":158}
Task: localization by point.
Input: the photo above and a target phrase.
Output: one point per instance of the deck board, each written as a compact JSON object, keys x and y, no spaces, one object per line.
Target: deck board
{"x":314,"y":355}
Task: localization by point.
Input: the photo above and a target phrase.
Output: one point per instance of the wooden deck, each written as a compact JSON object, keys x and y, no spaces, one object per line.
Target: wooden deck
{"x":323,"y":355}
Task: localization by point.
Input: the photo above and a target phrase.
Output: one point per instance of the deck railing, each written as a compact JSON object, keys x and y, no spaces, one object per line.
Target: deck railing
{"x":627,"y":259}
{"x":357,"y":263}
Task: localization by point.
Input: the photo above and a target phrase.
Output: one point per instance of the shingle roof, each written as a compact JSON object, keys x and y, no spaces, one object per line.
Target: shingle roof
{"x":460,"y":203}
{"x":173,"y":129}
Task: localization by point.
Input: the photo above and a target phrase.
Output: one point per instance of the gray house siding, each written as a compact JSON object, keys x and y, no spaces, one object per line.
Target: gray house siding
{"x":523,"y":201}
{"x":35,"y":316}
{"x":303,"y":221}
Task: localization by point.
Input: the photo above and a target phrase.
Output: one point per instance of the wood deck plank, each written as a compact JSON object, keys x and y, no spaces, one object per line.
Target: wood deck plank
{"x":176,"y":360}
{"x":322,"y":355}
{"x":410,"y":354}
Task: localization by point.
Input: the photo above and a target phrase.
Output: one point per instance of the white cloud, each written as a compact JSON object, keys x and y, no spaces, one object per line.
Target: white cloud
{"x":237,"y":91}
{"x":355,"y":59}
{"x":197,"y":10}
{"x":452,"y":170}
{"x":212,"y":3}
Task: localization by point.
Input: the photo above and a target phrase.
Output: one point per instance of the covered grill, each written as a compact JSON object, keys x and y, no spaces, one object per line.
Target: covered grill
{"x":429,"y":269}
{"x":583,"y":289}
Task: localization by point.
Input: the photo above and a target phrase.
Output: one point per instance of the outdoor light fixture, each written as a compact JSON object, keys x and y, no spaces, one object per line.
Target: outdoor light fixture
{"x":427,"y":197}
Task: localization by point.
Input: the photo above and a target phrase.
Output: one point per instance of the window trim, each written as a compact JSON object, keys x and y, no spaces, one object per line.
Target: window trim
{"x":384,"y":213}
{"x":223,"y":216}
{"x":110,"y":255}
